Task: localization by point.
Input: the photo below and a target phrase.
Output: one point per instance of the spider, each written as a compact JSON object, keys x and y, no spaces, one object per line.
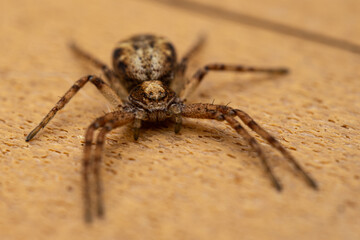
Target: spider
{"x":148,"y":84}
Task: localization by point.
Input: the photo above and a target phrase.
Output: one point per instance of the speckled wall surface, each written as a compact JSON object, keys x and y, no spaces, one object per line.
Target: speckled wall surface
{"x":206,"y":182}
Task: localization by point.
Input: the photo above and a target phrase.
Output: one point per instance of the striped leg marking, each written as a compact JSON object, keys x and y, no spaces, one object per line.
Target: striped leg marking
{"x":219,"y":112}
{"x":106,"y":123}
{"x":97,"y":63}
{"x":178,"y":82}
{"x":100,"y":85}
{"x":256,"y":146}
{"x":110,"y":75}
{"x":276,"y":144}
{"x":190,"y":53}
{"x":192,"y":84}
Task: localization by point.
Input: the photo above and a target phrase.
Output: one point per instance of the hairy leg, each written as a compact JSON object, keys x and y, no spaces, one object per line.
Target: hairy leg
{"x":182,"y":66}
{"x":219,"y":112}
{"x":110,"y":75}
{"x":107,"y":122}
{"x":275,"y":143}
{"x":256,"y":146}
{"x":178,"y":82}
{"x":100,"y":85}
{"x":193,"y":82}
{"x":96,"y":62}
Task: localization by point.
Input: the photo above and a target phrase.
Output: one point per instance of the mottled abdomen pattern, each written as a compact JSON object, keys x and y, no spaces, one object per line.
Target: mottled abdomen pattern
{"x":142,"y":58}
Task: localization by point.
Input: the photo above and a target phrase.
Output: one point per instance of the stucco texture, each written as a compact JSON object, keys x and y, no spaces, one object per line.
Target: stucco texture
{"x":206,"y":182}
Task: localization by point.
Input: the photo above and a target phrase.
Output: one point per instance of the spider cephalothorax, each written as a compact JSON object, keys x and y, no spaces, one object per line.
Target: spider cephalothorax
{"x":154,"y":100}
{"x":152,"y":96}
{"x":147,"y":84}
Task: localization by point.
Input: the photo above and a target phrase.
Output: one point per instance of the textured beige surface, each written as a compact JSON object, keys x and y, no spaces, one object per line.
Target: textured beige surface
{"x":205,"y":183}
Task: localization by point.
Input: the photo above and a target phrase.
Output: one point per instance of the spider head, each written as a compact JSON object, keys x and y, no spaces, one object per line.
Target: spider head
{"x":152,"y":95}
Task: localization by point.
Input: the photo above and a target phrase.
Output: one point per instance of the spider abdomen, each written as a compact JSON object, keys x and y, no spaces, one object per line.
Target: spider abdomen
{"x":142,"y":58}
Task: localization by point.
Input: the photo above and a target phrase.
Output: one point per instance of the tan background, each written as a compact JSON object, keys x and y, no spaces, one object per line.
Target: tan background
{"x":205,"y":183}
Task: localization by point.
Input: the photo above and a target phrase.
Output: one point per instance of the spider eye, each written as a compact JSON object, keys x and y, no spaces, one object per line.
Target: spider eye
{"x":154,"y":90}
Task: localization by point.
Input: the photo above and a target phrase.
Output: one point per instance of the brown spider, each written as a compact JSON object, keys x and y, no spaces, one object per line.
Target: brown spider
{"x":147,"y":84}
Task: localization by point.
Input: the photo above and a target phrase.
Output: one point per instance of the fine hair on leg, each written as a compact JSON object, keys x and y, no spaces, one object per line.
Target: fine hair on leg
{"x":196,"y":79}
{"x":99,"y":84}
{"x":91,"y":162}
{"x":179,"y":81}
{"x":221,"y":113}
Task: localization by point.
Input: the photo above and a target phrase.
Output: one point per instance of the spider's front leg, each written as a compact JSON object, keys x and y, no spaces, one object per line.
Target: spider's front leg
{"x":194,"y":82}
{"x":109,"y":94}
{"x":106,"y":123}
{"x":221,"y":113}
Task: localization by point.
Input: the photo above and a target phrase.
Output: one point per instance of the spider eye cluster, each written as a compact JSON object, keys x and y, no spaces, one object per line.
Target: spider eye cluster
{"x":154,"y":90}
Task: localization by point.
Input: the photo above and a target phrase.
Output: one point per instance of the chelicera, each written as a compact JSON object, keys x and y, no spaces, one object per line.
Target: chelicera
{"x":148,"y":84}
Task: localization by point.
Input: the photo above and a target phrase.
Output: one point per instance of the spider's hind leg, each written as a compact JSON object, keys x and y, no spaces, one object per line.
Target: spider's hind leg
{"x":181,"y":67}
{"x":96,"y":62}
{"x":110,"y":75}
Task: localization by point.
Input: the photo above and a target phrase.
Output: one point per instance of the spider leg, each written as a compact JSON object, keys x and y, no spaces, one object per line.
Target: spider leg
{"x":107,"y":122}
{"x":110,"y":75}
{"x":181,"y":67}
{"x":96,"y":62}
{"x":87,"y":162}
{"x":109,"y":94}
{"x":256,"y":146}
{"x":276,"y":144}
{"x":192,"y":84}
{"x":219,"y":112}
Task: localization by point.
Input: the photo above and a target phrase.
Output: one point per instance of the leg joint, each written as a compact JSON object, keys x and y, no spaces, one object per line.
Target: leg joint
{"x":98,"y":82}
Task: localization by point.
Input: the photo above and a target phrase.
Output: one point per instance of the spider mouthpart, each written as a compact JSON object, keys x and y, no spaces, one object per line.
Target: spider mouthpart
{"x":152,"y":96}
